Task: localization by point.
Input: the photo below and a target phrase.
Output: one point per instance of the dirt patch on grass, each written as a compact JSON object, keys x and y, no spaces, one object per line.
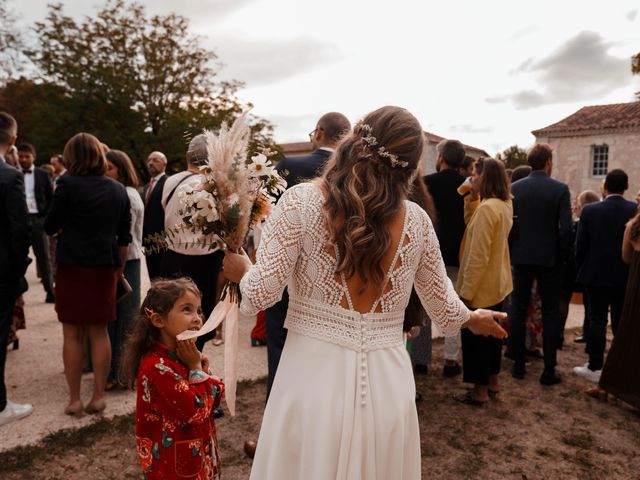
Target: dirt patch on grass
{"x":530,"y":432}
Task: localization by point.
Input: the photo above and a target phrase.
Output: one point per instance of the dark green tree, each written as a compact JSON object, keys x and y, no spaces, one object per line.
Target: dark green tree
{"x":513,"y":156}
{"x":138,"y":82}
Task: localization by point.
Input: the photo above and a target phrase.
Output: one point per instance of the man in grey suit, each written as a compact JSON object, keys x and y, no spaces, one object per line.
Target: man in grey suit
{"x":540,"y":245}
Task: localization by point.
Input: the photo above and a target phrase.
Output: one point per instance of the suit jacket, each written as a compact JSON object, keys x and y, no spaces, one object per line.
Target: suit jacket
{"x":14,"y":224}
{"x":43,"y":191}
{"x":542,"y":216}
{"x":92,"y":216}
{"x":599,"y":242}
{"x":304,"y":168}
{"x":153,"y":211}
{"x":449,"y":204}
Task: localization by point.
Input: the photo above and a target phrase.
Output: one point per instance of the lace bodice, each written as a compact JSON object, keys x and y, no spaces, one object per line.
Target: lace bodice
{"x":294,"y":251}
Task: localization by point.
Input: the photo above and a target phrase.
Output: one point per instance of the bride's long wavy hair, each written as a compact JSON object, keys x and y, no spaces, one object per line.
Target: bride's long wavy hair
{"x":363,"y":190}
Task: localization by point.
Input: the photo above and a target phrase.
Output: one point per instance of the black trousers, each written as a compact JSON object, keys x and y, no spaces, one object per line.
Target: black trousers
{"x":203,"y":270}
{"x":40,"y":245}
{"x":276,"y":335}
{"x":8,"y":295}
{"x":481,"y":356}
{"x":155,"y":264}
{"x":549,"y":283}
{"x":600,"y":299}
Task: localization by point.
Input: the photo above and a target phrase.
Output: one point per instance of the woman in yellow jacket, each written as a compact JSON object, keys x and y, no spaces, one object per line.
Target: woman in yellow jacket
{"x":484,"y":279}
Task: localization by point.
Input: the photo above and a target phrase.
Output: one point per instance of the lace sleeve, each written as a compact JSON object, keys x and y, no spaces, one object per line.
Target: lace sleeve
{"x":263,"y":284}
{"x":434,"y":288}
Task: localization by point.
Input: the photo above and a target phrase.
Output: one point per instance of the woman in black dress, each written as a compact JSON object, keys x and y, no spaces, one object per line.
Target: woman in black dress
{"x":91,"y":215}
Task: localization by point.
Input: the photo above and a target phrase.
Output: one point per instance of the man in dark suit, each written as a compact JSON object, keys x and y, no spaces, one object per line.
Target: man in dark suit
{"x":329,"y":130}
{"x":600,"y":266}
{"x":14,"y":249}
{"x":443,"y":187}
{"x":39,"y":193}
{"x":153,"y":212}
{"x":542,"y":218}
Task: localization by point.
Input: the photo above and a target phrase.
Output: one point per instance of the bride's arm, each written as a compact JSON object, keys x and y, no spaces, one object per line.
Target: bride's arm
{"x":262,"y":284}
{"x":439,"y":298}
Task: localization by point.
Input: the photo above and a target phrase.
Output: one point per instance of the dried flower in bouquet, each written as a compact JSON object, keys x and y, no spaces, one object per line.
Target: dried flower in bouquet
{"x":235,"y":192}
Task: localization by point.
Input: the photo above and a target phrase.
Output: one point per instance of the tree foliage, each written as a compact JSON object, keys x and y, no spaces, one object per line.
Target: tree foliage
{"x":138,"y":82}
{"x":11,"y":43}
{"x":635,"y":64}
{"x":513,"y":156}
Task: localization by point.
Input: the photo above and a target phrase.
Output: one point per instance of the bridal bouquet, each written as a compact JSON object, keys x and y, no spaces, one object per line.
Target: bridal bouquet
{"x":236,"y":192}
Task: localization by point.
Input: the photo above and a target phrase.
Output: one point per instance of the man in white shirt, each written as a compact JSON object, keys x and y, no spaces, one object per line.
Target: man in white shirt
{"x":202,"y":263}
{"x":39,"y":192}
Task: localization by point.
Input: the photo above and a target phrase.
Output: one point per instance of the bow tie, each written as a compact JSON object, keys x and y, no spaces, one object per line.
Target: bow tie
{"x":26,"y":172}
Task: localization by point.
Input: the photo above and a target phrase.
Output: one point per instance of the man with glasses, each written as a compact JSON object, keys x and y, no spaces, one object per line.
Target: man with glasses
{"x":324,"y":138}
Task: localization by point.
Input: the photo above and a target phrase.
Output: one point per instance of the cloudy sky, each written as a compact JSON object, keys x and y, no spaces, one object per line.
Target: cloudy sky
{"x":486,"y":72}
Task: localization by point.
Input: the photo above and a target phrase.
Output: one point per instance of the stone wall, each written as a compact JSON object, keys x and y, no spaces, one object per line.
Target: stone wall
{"x":572,"y":159}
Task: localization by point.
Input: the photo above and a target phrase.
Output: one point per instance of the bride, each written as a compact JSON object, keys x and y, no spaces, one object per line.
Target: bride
{"x":350,"y":246}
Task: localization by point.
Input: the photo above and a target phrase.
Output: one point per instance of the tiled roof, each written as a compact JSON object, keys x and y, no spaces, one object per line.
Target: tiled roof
{"x":433,"y":138}
{"x":297,"y":148}
{"x":598,"y":117}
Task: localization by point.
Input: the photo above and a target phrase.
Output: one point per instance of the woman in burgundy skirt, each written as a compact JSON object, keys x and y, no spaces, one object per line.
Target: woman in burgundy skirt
{"x":91,"y":215}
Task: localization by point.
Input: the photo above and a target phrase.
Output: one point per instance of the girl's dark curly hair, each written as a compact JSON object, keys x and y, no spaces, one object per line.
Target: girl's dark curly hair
{"x":161,"y":297}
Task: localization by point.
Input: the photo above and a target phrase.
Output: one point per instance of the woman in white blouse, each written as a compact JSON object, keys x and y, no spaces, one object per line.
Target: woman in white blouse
{"x":350,"y":247}
{"x":120,"y":168}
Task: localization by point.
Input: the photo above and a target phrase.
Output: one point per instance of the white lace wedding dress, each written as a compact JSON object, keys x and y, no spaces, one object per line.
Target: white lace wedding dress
{"x":343,"y":400}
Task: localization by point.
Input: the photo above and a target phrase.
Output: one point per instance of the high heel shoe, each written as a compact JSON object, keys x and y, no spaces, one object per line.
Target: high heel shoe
{"x":95,"y":406}
{"x":74,"y":408}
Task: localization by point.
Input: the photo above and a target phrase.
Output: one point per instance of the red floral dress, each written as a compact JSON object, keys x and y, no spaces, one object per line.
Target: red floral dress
{"x":175,"y":431}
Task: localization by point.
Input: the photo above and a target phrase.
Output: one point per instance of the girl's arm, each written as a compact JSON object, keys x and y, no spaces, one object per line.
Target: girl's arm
{"x":188,"y":400}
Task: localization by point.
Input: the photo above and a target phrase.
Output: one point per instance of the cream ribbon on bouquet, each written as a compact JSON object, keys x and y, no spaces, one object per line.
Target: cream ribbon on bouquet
{"x":226,"y":311}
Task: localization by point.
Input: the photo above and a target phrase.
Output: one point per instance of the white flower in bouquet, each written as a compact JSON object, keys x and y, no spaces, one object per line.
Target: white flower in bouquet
{"x":205,"y":205}
{"x":260,"y":166}
{"x":279,"y":183}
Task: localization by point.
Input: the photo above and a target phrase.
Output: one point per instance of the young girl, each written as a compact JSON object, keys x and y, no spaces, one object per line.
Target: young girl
{"x":175,"y":430}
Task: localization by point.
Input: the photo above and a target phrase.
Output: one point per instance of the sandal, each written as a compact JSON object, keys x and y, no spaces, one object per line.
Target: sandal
{"x":597,"y":393}
{"x":96,"y":406}
{"x":468,"y":399}
{"x":74,"y":408}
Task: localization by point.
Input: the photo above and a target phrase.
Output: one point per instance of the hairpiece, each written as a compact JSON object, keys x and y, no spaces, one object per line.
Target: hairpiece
{"x":371,"y":141}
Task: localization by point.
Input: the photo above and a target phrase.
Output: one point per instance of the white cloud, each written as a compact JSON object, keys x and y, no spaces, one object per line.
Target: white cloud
{"x":580,"y":69}
{"x":262,"y":62}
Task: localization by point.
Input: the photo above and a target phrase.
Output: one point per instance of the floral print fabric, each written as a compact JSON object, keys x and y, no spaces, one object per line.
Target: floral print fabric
{"x":175,"y":430}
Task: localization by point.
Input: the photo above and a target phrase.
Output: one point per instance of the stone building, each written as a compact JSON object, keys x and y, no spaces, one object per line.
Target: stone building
{"x":594,"y":141}
{"x":428,"y":154}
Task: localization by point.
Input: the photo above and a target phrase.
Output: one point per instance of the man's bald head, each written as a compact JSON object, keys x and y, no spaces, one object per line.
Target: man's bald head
{"x":156,"y":163}
{"x":330,"y":129}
